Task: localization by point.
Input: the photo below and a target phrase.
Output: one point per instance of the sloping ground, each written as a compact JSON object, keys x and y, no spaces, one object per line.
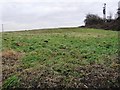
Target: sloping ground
{"x":60,"y":58}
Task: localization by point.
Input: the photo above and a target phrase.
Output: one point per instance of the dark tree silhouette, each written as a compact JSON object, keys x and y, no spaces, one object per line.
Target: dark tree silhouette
{"x":92,"y":19}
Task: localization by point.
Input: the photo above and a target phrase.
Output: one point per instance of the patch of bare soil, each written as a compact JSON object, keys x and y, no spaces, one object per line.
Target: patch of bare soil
{"x":10,"y":60}
{"x":99,"y":76}
{"x":91,"y":76}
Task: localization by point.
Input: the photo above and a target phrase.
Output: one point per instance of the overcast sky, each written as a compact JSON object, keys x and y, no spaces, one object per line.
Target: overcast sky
{"x":34,"y":14}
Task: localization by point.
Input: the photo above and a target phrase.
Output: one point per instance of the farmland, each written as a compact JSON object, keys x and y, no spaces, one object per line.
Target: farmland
{"x":63,"y":58}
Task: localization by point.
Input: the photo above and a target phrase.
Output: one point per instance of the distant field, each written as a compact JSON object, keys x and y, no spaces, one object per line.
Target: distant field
{"x":74,"y":58}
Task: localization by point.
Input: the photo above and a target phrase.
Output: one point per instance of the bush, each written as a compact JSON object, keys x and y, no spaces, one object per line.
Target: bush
{"x":92,"y":19}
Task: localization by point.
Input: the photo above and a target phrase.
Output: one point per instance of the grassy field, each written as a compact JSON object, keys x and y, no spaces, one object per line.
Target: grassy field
{"x":71,"y":57}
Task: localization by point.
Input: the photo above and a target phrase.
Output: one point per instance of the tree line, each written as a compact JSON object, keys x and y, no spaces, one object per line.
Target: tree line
{"x":94,"y":21}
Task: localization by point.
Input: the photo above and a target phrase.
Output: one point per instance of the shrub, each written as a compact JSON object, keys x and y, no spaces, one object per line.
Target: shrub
{"x":92,"y":19}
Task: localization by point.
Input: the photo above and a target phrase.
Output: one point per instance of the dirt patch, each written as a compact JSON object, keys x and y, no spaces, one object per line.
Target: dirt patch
{"x":99,"y":76}
{"x":10,"y":57}
{"x":41,"y":79}
{"x":91,"y":76}
{"x":10,"y":62}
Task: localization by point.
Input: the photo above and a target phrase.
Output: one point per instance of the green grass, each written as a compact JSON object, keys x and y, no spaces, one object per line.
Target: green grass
{"x":12,"y":81}
{"x":58,"y":52}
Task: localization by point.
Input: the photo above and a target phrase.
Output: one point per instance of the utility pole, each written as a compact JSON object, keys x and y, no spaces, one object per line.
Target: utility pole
{"x":104,"y":12}
{"x":2,"y":28}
